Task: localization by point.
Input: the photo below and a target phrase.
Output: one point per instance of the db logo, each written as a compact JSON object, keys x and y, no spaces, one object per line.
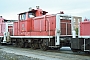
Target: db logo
{"x":23,"y":27}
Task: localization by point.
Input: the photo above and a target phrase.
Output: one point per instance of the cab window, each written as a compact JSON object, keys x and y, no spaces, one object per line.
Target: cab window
{"x":30,"y":15}
{"x":22,"y":16}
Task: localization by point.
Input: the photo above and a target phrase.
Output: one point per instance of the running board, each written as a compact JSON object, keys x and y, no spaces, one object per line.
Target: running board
{"x":54,"y":46}
{"x":31,"y":36}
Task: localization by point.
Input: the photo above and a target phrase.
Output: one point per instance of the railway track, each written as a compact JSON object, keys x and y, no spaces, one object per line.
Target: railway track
{"x":63,"y":50}
{"x":45,"y":55}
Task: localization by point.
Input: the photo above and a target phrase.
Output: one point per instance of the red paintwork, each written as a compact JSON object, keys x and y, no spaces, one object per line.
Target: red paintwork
{"x":50,"y":19}
{"x":1,"y":33}
{"x":2,"y":28}
{"x":25,"y":26}
{"x":10,"y":30}
{"x":43,"y":33}
{"x":27,"y":33}
{"x":38,"y":12}
{"x":1,"y":24}
{"x":15,"y":28}
{"x":22,"y":34}
{"x":39,"y":26}
{"x":85,"y":28}
{"x":1,"y":20}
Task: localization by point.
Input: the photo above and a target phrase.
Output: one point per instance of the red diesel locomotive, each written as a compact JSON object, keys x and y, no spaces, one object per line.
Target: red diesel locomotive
{"x":36,"y":29}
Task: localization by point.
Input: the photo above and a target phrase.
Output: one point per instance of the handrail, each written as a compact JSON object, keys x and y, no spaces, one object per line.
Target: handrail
{"x":85,"y":46}
{"x":49,"y":28}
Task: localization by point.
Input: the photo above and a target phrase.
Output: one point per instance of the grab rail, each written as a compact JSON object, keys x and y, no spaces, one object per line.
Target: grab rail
{"x":49,"y":28}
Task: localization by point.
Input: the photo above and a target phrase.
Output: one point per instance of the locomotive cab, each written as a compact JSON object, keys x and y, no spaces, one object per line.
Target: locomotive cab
{"x":26,"y":21}
{"x":32,"y":13}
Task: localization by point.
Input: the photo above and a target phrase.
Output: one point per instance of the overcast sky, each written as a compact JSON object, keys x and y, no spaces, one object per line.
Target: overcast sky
{"x":10,"y":8}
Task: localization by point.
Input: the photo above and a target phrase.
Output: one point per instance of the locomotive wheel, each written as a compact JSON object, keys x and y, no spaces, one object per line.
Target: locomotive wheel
{"x":14,"y":44}
{"x":33,"y":46}
{"x":26,"y":45}
{"x":21,"y":43}
{"x":43,"y":47}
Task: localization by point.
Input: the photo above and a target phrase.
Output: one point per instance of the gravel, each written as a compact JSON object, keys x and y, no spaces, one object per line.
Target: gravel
{"x":11,"y":56}
{"x":14,"y":53}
